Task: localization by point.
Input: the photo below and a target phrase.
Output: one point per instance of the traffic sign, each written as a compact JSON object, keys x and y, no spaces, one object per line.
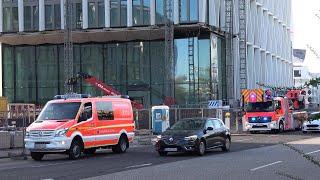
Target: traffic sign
{"x":214,"y":104}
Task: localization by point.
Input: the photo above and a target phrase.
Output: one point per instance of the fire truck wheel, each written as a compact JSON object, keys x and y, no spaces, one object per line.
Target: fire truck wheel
{"x":37,"y":156}
{"x":281,"y":127}
{"x":75,"y":150}
{"x":122,"y":145}
{"x":89,"y":151}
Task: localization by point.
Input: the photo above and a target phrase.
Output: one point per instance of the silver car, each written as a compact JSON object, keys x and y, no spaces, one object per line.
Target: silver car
{"x":311,"y":126}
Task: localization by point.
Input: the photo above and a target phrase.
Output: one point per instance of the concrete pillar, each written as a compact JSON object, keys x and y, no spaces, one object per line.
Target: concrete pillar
{"x":62,"y":13}
{"x":20,"y":15}
{"x":1,"y":16}
{"x":85,"y":14}
{"x":41,"y":16}
{"x":1,"y":78}
{"x":107,"y":13}
{"x":152,"y":12}
{"x":129,"y":13}
{"x":202,"y":11}
{"x":176,"y":16}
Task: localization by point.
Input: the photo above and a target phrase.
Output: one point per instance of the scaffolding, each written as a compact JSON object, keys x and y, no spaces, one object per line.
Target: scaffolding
{"x":229,"y":50}
{"x":68,"y":44}
{"x":192,"y":84}
{"x":243,"y":44}
{"x":169,"y":47}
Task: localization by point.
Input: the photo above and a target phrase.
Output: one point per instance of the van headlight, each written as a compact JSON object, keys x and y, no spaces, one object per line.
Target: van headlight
{"x":61,"y":132}
{"x":191,"y":138}
{"x":27,"y":133}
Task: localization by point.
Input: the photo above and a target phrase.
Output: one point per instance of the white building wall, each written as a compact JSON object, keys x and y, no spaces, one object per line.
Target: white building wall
{"x":269,"y":52}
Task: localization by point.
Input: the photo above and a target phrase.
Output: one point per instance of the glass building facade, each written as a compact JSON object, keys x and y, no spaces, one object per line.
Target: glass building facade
{"x":35,"y":73}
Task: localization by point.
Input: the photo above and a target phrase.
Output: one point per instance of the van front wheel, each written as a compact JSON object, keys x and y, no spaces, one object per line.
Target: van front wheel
{"x":75,"y":150}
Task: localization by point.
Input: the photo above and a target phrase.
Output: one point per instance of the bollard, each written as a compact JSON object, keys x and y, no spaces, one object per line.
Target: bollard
{"x":237,"y":122}
{"x":12,"y":133}
{"x":227,"y":119}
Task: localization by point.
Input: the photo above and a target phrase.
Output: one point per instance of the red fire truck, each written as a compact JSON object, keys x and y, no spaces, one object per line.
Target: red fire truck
{"x":263,"y":112}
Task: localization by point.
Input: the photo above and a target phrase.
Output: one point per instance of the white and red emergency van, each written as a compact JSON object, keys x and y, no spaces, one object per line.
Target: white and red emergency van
{"x":81,"y":124}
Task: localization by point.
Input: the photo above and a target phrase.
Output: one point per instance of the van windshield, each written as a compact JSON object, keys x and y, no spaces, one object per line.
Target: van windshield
{"x":60,"y":111}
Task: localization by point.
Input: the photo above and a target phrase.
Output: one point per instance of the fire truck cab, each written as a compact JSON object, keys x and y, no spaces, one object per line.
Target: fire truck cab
{"x":268,"y":114}
{"x":79,"y":125}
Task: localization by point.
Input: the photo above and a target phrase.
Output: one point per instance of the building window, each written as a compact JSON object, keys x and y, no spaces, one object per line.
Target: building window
{"x":10,"y":16}
{"x":141,"y":12}
{"x":31,"y":15}
{"x":189,"y":11}
{"x":52,"y":14}
{"x":118,"y":13}
{"x":160,"y":12}
{"x":95,"y":13}
{"x":297,"y":73}
{"x":47,"y":65}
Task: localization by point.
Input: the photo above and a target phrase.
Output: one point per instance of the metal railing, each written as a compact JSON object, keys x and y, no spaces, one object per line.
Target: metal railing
{"x":12,"y":128}
{"x":143,"y":118}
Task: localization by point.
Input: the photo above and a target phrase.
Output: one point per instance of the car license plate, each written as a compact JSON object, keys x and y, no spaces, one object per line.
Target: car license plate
{"x":171,"y":149}
{"x":39,"y":146}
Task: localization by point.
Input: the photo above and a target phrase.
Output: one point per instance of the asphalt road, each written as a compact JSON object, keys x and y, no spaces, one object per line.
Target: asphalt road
{"x":248,"y":152}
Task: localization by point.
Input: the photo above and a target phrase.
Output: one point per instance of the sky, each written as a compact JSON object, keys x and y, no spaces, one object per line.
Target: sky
{"x":306,"y":30}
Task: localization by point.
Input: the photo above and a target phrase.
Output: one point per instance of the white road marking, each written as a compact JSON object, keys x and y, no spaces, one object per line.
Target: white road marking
{"x":240,"y":140}
{"x":260,"y":167}
{"x":312,"y":152}
{"x":53,"y":164}
{"x":140,"y":165}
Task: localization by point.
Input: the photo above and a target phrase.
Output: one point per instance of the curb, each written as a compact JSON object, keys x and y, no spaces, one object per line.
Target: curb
{"x":237,"y":134}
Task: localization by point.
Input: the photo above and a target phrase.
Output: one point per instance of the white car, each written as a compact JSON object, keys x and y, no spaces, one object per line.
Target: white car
{"x":311,"y":126}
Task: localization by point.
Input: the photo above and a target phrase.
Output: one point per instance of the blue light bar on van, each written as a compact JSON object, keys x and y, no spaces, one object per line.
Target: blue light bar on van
{"x":72,"y":96}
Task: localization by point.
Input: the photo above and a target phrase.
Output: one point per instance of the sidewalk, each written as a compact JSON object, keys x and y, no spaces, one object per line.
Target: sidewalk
{"x":4,"y":153}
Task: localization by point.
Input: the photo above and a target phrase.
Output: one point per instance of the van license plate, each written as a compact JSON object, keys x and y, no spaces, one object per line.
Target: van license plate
{"x":171,"y":149}
{"x":39,"y":146}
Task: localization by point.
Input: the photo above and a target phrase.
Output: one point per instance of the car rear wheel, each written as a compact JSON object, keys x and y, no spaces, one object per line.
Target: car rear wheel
{"x":226,"y":145}
{"x":163,"y":153}
{"x":122,"y":145}
{"x":75,"y":150}
{"x":201,"y":148}
{"x":37,"y":156}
